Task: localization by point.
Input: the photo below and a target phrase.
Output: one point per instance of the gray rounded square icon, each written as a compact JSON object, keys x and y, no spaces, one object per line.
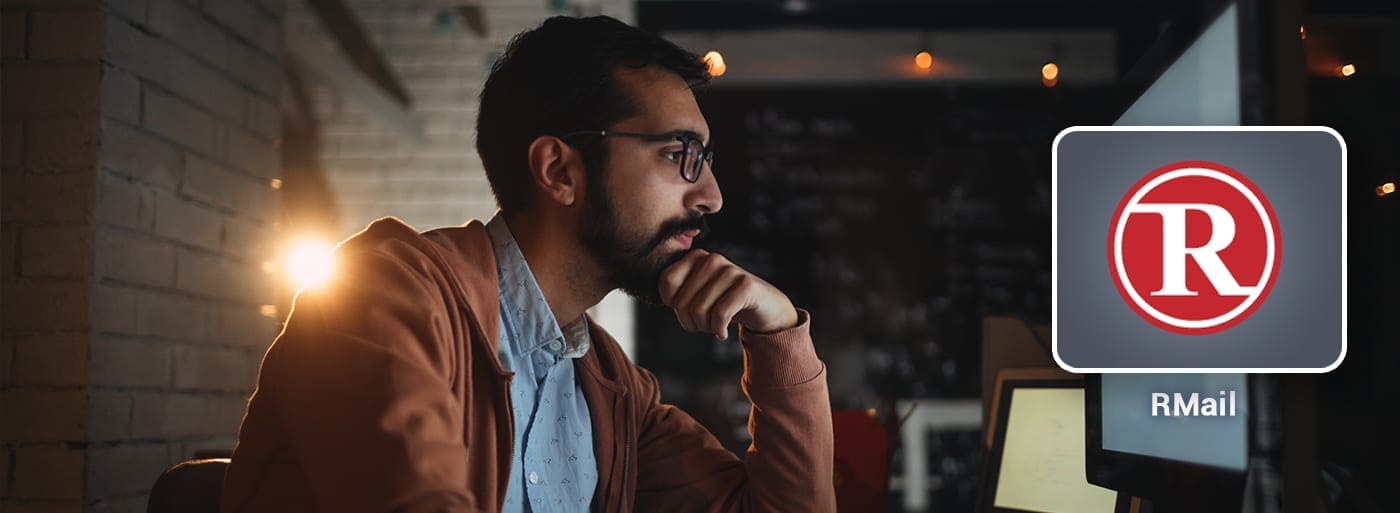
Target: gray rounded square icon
{"x":1198,"y":249}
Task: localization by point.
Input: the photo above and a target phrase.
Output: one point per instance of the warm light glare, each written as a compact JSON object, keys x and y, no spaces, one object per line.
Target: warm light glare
{"x":275,"y":183}
{"x":309,"y":262}
{"x":1347,"y":70}
{"x":1050,"y":71}
{"x":1386,"y":188}
{"x":716,"y":63}
{"x":924,"y":60}
{"x":1302,"y":32}
{"x":268,"y":310}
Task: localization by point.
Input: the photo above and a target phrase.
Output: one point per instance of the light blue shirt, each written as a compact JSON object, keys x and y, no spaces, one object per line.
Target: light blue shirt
{"x":552,"y":464}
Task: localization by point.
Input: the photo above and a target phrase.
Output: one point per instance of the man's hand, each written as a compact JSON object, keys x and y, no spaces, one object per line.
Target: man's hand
{"x":707,"y":291}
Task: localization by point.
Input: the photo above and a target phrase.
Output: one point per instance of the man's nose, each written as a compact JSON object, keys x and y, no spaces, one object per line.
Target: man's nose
{"x":704,"y":195}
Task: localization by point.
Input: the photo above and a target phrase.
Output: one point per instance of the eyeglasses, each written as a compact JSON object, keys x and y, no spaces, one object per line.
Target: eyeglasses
{"x":691,"y":161}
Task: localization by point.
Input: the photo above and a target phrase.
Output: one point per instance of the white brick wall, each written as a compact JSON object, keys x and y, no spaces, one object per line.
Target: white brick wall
{"x":140,"y":137}
{"x":375,"y":171}
{"x":186,"y":218}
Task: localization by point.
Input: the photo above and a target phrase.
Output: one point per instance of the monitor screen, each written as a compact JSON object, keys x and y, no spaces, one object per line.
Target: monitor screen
{"x":1136,"y":422}
{"x":1039,"y":453}
{"x":1200,"y":87}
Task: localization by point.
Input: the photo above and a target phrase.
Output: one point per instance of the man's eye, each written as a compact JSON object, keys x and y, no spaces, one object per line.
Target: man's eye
{"x":674,"y":156}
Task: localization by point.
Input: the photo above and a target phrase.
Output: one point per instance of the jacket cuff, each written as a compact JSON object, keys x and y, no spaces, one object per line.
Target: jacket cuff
{"x":781,"y":358}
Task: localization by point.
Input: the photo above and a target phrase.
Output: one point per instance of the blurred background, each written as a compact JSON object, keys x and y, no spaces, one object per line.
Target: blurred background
{"x":173,"y":170}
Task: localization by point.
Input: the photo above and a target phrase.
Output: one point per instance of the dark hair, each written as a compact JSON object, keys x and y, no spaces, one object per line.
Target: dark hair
{"x":559,"y":78}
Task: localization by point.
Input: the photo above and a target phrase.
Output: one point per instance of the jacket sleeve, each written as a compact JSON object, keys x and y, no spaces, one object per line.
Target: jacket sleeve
{"x":788,"y":467}
{"x":360,"y":380}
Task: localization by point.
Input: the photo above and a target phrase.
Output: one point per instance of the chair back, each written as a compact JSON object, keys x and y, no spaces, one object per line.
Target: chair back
{"x":189,"y":487}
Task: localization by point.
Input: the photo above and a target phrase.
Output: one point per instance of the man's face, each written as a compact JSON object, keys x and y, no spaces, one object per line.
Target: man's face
{"x":640,"y":214}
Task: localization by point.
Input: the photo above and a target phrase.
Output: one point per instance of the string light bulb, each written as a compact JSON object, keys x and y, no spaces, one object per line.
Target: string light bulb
{"x":715,"y":62}
{"x":1050,"y":74}
{"x":1346,"y":70}
{"x":923,"y":61}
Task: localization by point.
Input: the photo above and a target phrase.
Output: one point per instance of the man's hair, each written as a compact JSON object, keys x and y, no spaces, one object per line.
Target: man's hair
{"x":559,"y":78}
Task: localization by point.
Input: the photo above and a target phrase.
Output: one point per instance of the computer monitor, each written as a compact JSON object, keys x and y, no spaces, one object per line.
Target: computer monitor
{"x":1036,"y":461}
{"x":1139,"y":442}
{"x":1177,"y":463}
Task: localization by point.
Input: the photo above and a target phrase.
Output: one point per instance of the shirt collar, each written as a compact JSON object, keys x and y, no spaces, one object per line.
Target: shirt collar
{"x":523,"y":305}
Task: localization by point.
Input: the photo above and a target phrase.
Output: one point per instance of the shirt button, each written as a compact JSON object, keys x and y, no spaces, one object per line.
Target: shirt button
{"x":555,"y":346}
{"x":534,"y":478}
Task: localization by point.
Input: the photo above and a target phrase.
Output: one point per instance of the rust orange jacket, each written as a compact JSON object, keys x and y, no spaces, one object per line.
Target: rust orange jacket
{"x":384,"y":394}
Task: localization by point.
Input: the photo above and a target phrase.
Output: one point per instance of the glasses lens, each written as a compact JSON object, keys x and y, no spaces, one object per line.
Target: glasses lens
{"x":690,"y":169}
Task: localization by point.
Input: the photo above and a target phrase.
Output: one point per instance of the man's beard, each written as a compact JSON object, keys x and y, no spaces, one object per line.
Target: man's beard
{"x":633,"y":262}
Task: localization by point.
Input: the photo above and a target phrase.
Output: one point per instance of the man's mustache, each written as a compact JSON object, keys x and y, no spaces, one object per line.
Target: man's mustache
{"x":673,"y":227}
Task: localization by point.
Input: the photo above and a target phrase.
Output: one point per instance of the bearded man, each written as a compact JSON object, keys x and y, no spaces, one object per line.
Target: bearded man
{"x":455,"y":370}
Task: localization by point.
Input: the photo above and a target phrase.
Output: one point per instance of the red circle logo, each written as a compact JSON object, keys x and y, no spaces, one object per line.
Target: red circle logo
{"x":1194,"y":247}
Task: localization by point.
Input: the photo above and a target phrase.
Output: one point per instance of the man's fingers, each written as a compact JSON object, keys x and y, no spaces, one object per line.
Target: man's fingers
{"x":703,"y":271}
{"x":674,"y":276}
{"x":727,"y":305}
{"x":717,"y":283}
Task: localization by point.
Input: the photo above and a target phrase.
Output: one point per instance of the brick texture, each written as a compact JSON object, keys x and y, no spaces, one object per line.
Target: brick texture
{"x":140,"y":137}
{"x":190,"y":175}
{"x":50,"y":104}
{"x":124,"y":469}
{"x":375,"y":171}
{"x":48,"y":472}
{"x":51,"y":359}
{"x":41,"y":415}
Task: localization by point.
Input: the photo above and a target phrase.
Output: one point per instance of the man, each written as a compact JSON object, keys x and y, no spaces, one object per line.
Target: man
{"x":455,"y":370}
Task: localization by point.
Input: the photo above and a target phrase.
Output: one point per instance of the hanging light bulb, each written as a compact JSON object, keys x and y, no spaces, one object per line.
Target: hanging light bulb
{"x":1346,"y":70}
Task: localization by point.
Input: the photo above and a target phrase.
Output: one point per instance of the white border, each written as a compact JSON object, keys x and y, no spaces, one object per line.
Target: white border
{"x":1055,"y":246}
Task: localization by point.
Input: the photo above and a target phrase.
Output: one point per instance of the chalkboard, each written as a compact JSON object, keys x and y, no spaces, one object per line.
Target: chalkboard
{"x":899,"y":218}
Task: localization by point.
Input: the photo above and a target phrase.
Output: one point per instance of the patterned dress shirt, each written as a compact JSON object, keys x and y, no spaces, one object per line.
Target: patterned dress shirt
{"x":552,"y":464}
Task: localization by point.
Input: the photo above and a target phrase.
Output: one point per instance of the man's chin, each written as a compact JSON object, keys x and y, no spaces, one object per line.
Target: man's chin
{"x":645,"y":286}
{"x":650,"y":298}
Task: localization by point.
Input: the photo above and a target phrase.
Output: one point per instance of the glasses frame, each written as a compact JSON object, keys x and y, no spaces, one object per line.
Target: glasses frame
{"x":696,"y":166}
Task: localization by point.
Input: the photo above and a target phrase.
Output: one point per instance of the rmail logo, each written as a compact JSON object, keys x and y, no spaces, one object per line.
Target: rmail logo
{"x":1194,"y":247}
{"x":1179,"y":249}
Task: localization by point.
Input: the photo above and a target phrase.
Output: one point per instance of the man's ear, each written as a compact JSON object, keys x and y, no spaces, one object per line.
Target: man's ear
{"x":556,"y":169}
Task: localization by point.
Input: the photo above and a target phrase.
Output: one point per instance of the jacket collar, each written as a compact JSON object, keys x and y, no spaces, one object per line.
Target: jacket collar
{"x":467,"y":251}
